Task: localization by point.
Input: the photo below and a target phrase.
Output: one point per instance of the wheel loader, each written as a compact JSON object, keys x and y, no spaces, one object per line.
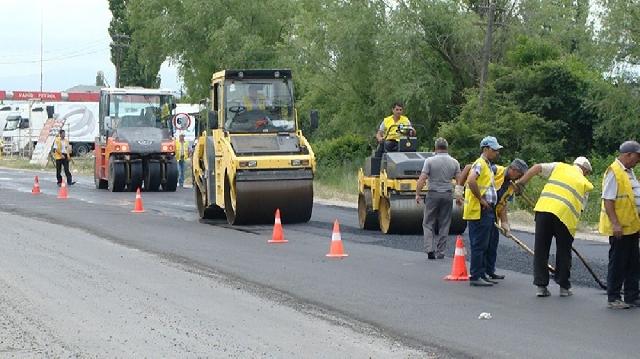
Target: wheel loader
{"x":251,"y":157}
{"x":387,"y":189}
{"x":135,"y":148}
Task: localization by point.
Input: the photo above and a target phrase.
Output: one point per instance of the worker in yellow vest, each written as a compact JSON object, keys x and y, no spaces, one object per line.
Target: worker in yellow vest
{"x":183,"y":152}
{"x":557,"y":213}
{"x":505,"y":191}
{"x":388,"y":132}
{"x":619,"y":220}
{"x":62,"y":154}
{"x":480,"y":199}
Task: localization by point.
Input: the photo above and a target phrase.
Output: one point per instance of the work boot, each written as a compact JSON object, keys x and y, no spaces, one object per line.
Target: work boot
{"x":633,"y":303}
{"x":431,"y":255}
{"x":490,"y":280}
{"x":565,"y":292}
{"x":439,"y":256}
{"x":71,"y":183}
{"x":495,"y":276}
{"x":480,"y":282}
{"x":543,"y":291}
{"x":618,"y":304}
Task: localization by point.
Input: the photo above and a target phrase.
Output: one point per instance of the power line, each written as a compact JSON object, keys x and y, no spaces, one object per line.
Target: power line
{"x":62,"y":57}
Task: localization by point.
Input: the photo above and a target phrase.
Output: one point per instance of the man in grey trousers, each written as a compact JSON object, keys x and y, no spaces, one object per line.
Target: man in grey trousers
{"x":440,"y":169}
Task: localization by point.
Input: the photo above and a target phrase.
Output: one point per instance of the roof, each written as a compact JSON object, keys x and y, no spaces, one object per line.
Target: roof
{"x":84,"y":88}
{"x":137,"y":91}
{"x":253,"y":74}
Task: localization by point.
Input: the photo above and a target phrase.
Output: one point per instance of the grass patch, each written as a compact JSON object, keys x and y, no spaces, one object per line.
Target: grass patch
{"x":338,"y":182}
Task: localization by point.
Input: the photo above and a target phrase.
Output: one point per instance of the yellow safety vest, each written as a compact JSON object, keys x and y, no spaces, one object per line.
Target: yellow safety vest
{"x":472,"y":203}
{"x":625,"y":204}
{"x":564,"y":194}
{"x":57,"y":153}
{"x":255,"y":104}
{"x":390,"y":133}
{"x":500,"y":177}
{"x":182,"y":152}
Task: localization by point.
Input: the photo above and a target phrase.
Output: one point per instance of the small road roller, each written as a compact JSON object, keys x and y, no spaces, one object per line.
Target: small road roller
{"x":387,"y":190}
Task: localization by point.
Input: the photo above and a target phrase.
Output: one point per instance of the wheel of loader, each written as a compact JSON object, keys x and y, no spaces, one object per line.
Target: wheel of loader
{"x":400,"y":214}
{"x":117,"y":178}
{"x":137,"y":175}
{"x":152,"y":177}
{"x":211,"y":212}
{"x":99,"y":182}
{"x":367,"y":217}
{"x":458,"y":225}
{"x":171,"y":182}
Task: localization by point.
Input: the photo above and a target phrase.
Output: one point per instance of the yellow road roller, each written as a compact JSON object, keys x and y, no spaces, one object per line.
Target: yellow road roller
{"x":251,"y":157}
{"x":387,"y":190}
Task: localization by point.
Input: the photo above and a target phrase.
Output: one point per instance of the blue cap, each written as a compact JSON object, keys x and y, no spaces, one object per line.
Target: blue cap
{"x":490,"y":142}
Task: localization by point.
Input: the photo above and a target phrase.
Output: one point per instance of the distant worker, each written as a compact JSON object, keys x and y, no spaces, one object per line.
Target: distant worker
{"x":440,"y":169}
{"x":387,"y":134}
{"x":505,"y":190}
{"x":557,"y":213}
{"x":62,"y":154}
{"x":183,"y":152}
{"x":480,"y":199}
{"x":619,"y":220}
{"x":255,"y":100}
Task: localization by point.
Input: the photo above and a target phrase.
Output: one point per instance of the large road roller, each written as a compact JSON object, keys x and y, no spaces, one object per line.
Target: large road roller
{"x":135,"y":148}
{"x":251,"y":157}
{"x":387,"y":190}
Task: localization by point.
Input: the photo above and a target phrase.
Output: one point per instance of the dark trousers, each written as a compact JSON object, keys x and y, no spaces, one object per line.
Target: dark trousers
{"x":548,"y":226}
{"x":479,"y":242}
{"x":64,"y":162}
{"x":492,"y":251}
{"x":624,"y":268}
{"x":388,"y":146}
{"x":437,"y":214}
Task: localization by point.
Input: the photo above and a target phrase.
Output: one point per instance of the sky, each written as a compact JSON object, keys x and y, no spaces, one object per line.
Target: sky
{"x":75,"y":42}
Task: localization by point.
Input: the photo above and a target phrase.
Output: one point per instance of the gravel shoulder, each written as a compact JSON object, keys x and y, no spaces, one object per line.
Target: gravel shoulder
{"x":66,"y":293}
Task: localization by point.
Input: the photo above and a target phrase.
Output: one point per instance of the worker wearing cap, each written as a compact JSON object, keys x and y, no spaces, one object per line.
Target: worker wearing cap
{"x":619,"y":220}
{"x":480,"y":199}
{"x":387,"y":134}
{"x":440,"y":169}
{"x":557,"y":214}
{"x":504,"y":177}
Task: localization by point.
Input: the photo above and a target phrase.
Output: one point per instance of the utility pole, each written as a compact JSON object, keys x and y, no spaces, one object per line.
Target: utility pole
{"x":120,"y":42}
{"x":41,"y":42}
{"x":486,"y":51}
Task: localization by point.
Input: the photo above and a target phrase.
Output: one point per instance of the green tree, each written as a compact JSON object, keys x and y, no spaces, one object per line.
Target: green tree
{"x":132,"y":68}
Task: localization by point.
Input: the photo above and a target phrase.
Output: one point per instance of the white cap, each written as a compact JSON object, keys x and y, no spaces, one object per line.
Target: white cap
{"x":584,"y":163}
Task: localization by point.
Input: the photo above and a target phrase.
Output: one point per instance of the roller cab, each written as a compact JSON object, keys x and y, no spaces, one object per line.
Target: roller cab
{"x":135,"y":148}
{"x":387,"y":190}
{"x":251,"y":157}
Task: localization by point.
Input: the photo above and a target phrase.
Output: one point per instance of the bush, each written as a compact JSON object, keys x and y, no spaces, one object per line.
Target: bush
{"x":338,"y":151}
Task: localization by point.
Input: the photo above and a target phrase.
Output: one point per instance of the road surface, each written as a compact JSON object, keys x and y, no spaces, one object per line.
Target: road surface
{"x":87,"y":267}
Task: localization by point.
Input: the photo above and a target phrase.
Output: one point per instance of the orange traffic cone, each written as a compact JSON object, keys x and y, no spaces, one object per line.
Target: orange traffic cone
{"x":278,"y":235}
{"x":62,"y":193}
{"x":336,"y":250}
{"x":459,"y":267}
{"x":36,"y":186}
{"x":138,"y":206}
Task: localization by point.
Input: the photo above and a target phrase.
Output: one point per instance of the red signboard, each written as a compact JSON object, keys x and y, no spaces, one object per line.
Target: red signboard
{"x":26,"y":95}
{"x":3,"y":95}
{"x":83,"y":97}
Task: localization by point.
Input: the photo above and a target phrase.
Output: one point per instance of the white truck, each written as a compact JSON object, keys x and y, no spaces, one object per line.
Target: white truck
{"x":22,"y":129}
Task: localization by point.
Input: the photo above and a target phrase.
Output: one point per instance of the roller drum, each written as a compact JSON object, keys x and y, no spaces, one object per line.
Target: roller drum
{"x":400,"y":215}
{"x":257,"y":201}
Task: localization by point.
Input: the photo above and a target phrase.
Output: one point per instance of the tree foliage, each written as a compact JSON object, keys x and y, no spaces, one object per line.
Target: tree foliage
{"x":551,"y":93}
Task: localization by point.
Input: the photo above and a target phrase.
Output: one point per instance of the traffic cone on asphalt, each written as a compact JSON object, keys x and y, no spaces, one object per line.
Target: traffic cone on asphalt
{"x":36,"y":186}
{"x":138,"y":206}
{"x":278,"y":235}
{"x":336,"y":250}
{"x":459,"y":267}
{"x":62,"y":193}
